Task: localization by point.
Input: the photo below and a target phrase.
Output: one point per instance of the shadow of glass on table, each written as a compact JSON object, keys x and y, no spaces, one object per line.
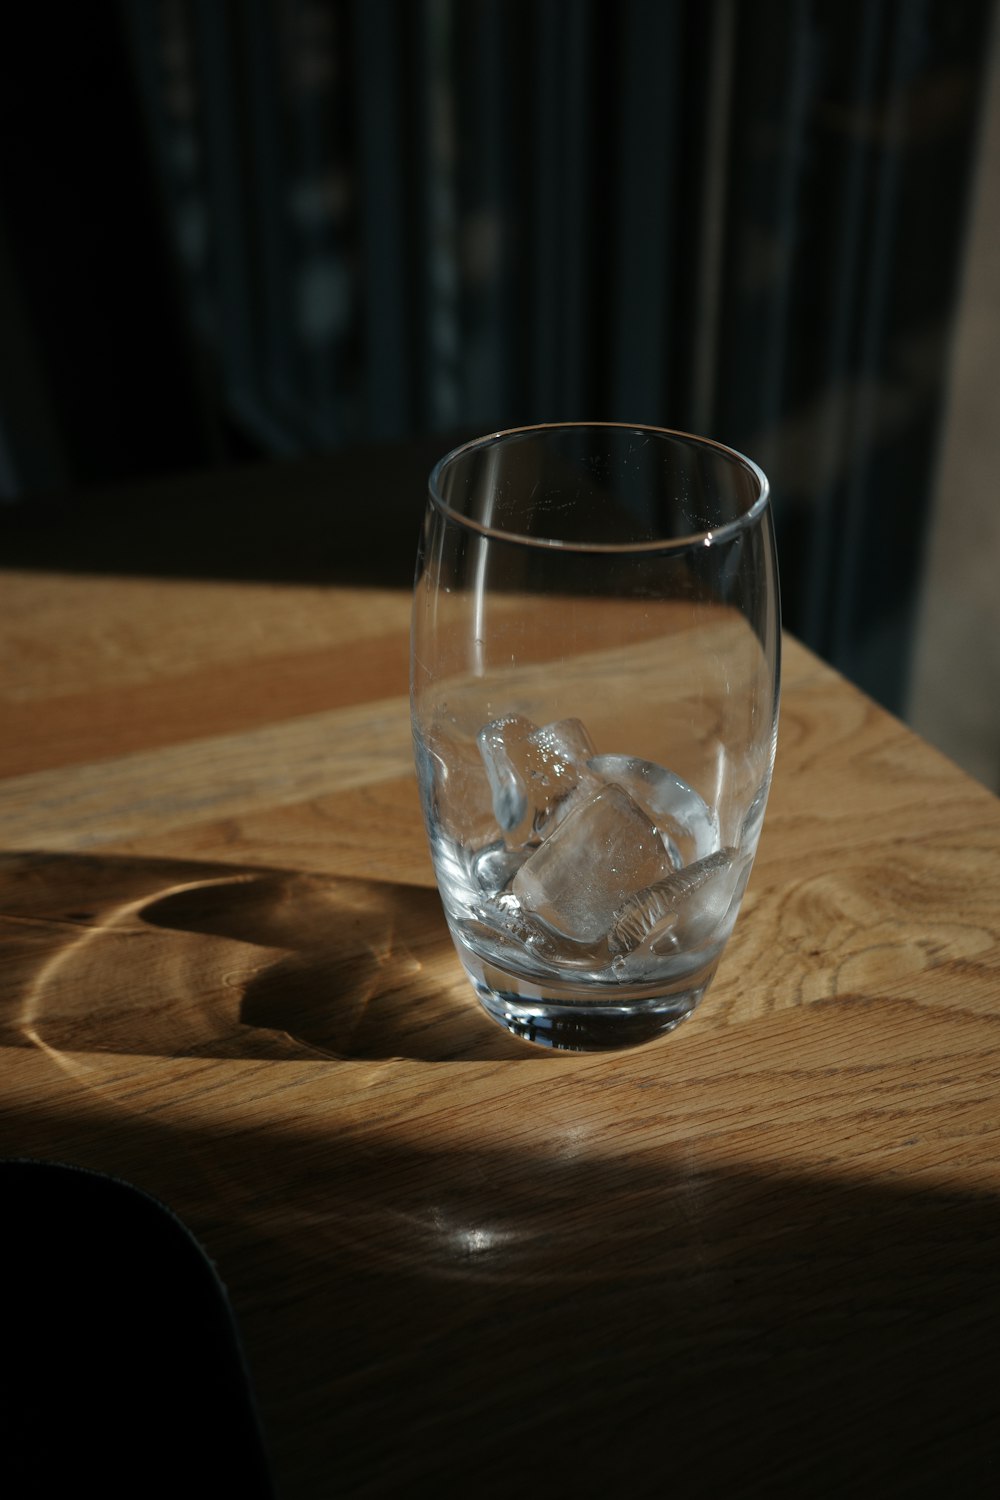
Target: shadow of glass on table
{"x":183,"y":959}
{"x":566,"y":1283}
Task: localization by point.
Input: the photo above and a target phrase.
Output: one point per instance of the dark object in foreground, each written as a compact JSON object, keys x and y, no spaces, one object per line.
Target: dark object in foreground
{"x":121,"y":1368}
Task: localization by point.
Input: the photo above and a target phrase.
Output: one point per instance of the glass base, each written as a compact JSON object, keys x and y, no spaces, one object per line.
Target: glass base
{"x":568,"y":1018}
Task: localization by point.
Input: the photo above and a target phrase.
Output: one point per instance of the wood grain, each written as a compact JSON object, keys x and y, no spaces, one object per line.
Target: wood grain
{"x":759,"y":1257}
{"x":105,"y":801}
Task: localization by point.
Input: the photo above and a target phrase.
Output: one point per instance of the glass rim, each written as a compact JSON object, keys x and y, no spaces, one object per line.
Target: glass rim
{"x":708,"y":537}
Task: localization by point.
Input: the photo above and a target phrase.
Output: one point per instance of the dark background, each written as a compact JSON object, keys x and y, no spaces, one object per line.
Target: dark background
{"x":297,"y":247}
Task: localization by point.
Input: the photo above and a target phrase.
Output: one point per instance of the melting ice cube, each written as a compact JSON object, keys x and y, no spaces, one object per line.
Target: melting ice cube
{"x":495,"y":866}
{"x":681,"y":911}
{"x":600,"y":854}
{"x":535,"y":775}
{"x":497,"y":742}
{"x":516,"y":939}
{"x":682,"y":816}
{"x":560,"y":778}
{"x":450,"y":776}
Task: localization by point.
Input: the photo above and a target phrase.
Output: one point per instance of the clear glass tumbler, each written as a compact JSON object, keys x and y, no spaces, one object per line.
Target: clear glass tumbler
{"x":594,"y":690}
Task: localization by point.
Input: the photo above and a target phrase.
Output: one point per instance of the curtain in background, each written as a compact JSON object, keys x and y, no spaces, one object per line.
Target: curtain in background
{"x":739,"y":217}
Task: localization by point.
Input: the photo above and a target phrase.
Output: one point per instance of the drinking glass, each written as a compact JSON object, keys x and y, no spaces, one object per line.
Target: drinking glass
{"x":594,"y":692}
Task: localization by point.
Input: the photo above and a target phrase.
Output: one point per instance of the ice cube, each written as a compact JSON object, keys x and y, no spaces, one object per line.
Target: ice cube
{"x":681,"y":911}
{"x":535,"y":775}
{"x":584,"y":871}
{"x":497,"y":745}
{"x":516,"y":940}
{"x":455,"y":796}
{"x":496,"y":865}
{"x":683,"y":817}
{"x":557,"y":764}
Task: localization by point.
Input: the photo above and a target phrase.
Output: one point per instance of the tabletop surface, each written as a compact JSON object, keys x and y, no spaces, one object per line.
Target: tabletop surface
{"x":758,"y":1256}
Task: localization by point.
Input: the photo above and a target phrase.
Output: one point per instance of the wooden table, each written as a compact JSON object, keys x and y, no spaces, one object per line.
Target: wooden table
{"x":761,"y":1256}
